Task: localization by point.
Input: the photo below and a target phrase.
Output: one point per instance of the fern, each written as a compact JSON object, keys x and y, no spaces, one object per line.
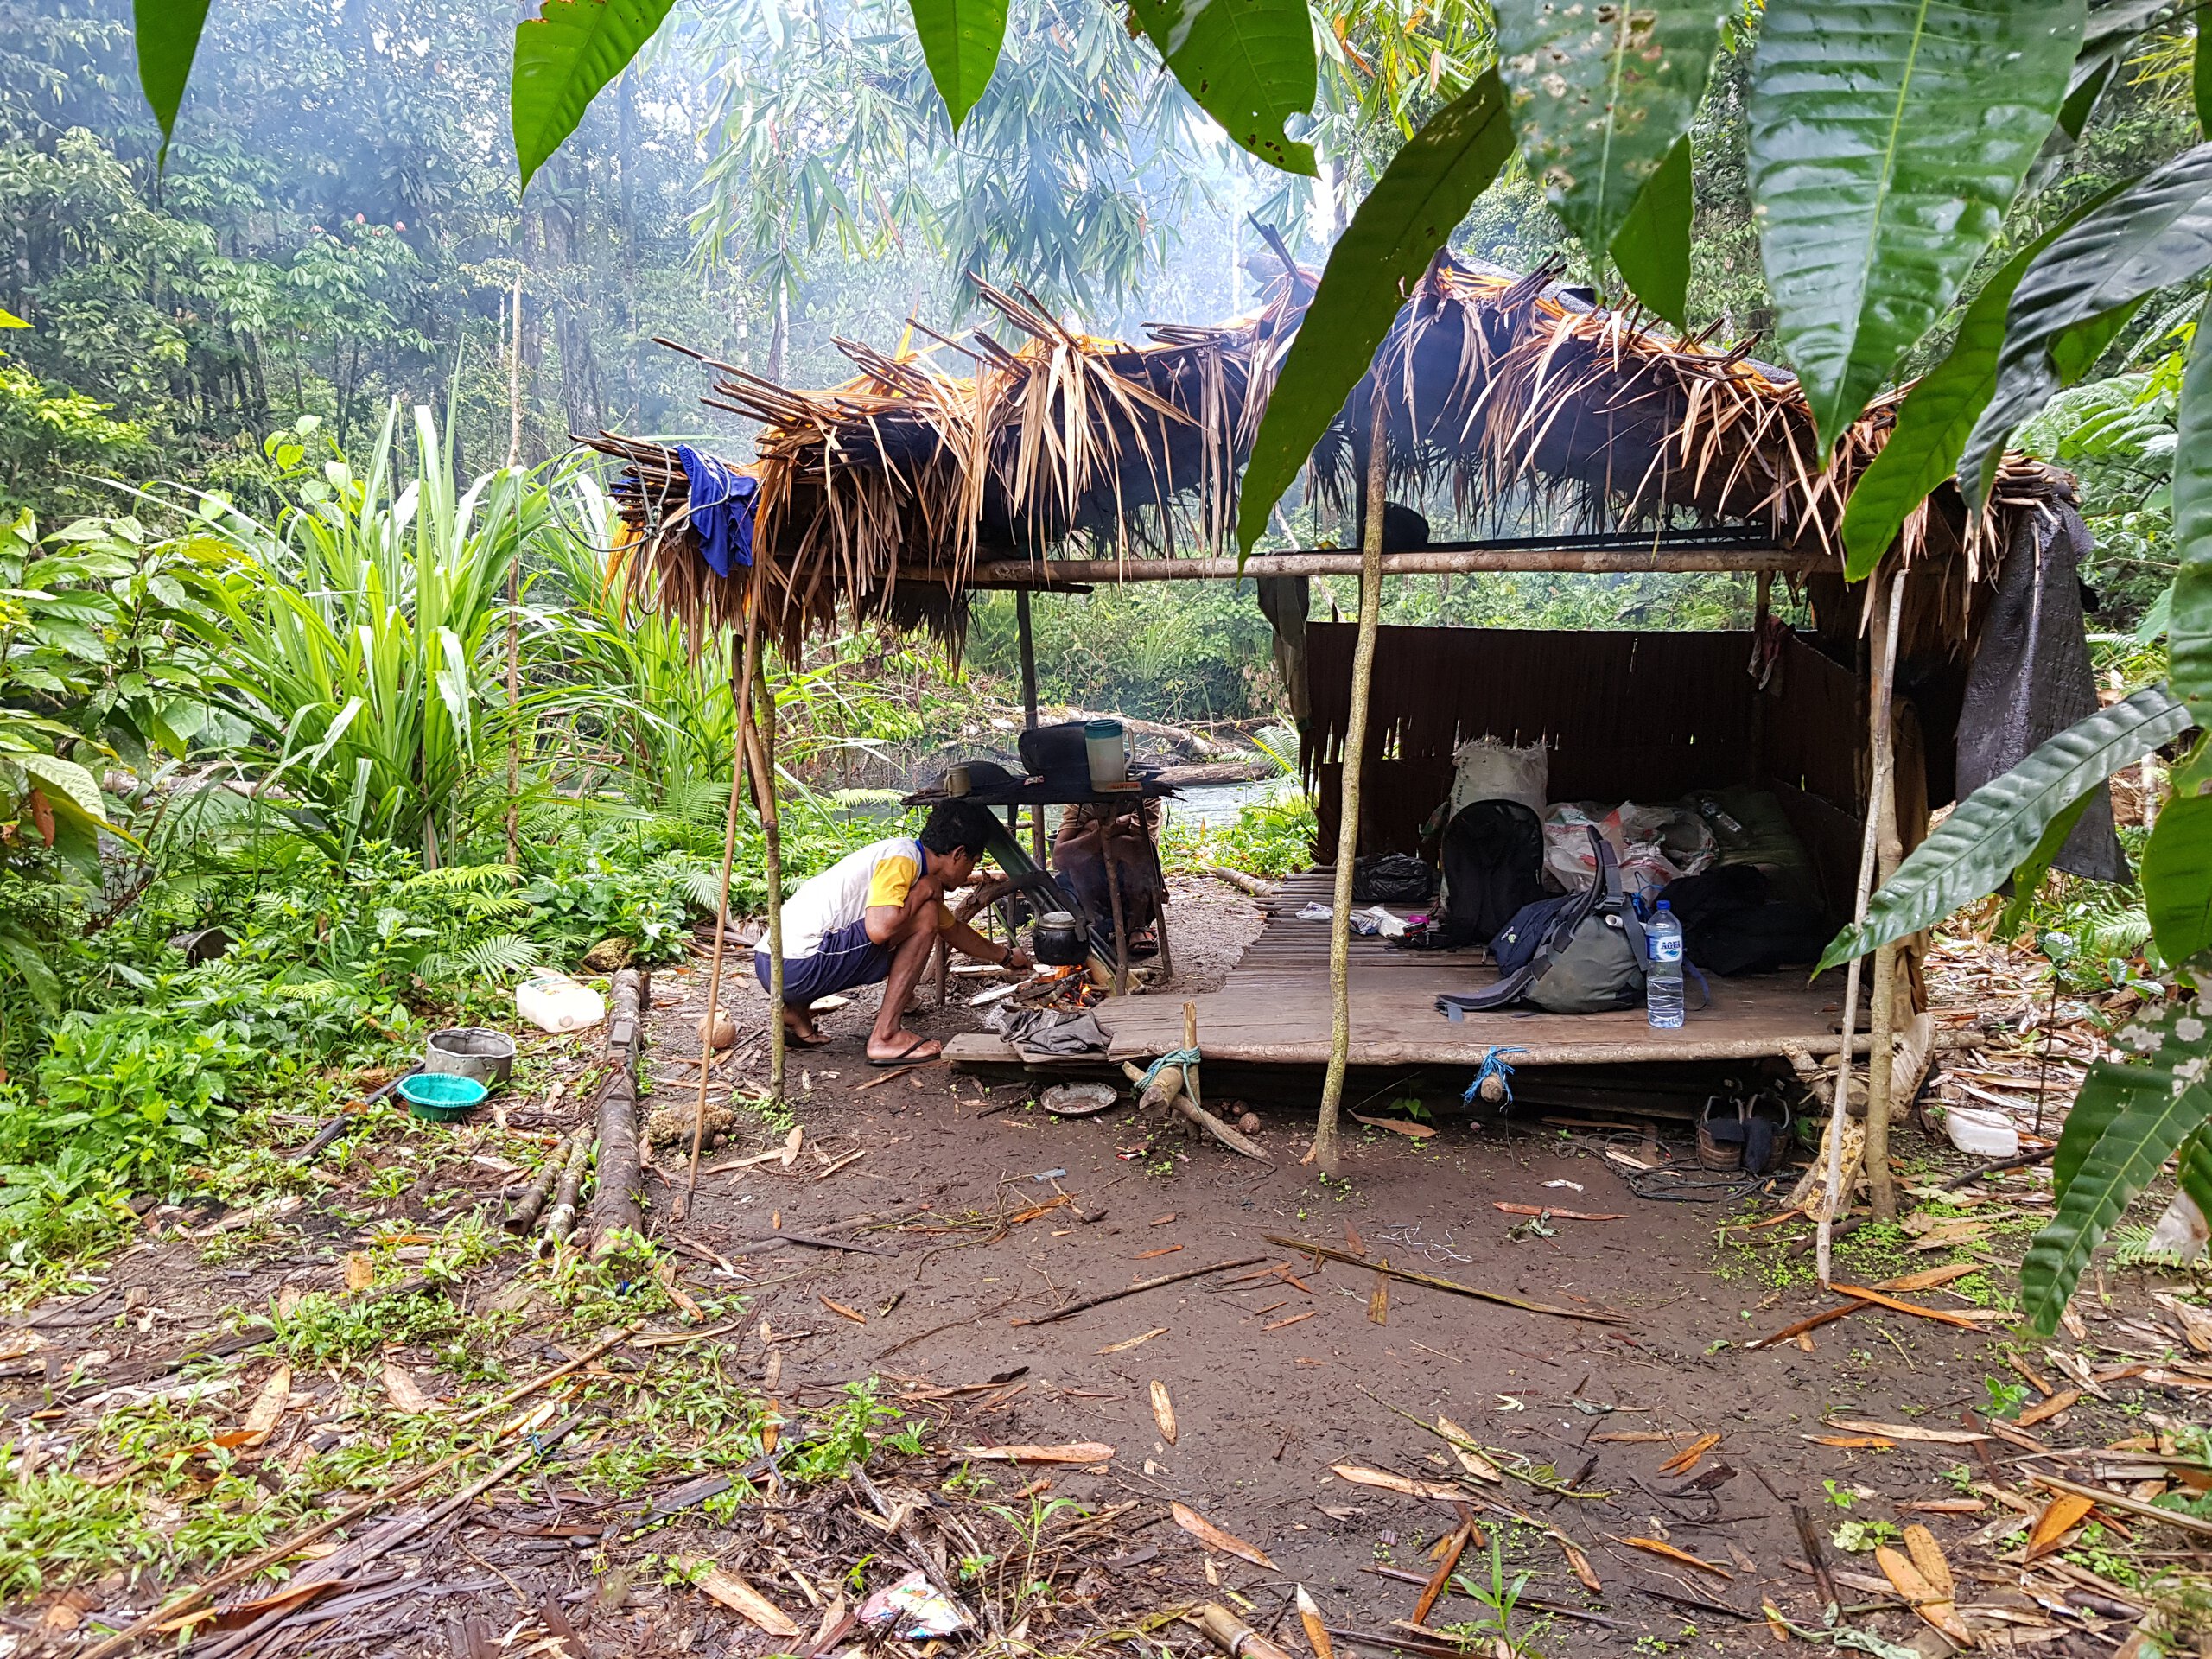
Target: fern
{"x":461,"y":878}
{"x":491,"y":958}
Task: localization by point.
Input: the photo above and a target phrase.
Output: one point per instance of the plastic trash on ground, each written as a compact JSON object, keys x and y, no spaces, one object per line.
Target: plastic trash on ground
{"x":1986,"y":1134}
{"x":553,"y":1001}
{"x":1315,"y":913}
{"x":916,"y":1608}
{"x":1375,"y":919}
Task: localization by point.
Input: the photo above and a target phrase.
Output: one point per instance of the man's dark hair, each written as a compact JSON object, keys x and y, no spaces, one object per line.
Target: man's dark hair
{"x":958,"y":826}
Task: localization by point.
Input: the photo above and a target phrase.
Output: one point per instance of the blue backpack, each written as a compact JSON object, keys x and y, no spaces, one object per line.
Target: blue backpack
{"x":1578,"y":953}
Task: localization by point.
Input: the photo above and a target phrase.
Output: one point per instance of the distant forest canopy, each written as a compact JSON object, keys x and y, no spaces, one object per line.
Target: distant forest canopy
{"x":338,"y":225}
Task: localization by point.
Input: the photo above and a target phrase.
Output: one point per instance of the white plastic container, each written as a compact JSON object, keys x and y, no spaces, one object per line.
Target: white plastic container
{"x":1106,"y":745}
{"x":553,"y":1001}
{"x":1985,"y":1135}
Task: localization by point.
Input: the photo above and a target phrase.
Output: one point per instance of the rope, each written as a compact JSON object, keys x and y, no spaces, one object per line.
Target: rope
{"x":1494,"y":1066}
{"x":1182,"y":1057}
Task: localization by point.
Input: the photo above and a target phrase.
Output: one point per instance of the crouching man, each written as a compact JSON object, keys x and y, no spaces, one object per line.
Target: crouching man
{"x":872,"y":916}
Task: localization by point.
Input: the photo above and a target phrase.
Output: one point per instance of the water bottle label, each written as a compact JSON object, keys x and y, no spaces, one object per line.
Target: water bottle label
{"x":1665,"y":947}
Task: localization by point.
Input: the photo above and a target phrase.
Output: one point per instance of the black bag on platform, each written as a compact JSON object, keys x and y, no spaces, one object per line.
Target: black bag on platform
{"x":1493,"y":860}
{"x":1580,"y":953}
{"x":1730,"y":926}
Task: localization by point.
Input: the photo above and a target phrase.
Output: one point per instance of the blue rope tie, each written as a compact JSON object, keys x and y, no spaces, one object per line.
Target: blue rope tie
{"x":1183,"y":1057}
{"x":1494,"y":1066}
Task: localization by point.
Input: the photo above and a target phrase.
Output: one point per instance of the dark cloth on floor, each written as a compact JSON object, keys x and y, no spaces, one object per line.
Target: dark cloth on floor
{"x":722,"y":501}
{"x":848,"y":959}
{"x":2030,"y":677}
{"x":1049,"y":1034}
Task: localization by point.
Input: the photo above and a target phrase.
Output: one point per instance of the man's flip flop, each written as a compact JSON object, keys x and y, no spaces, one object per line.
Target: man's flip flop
{"x":906,"y":1055}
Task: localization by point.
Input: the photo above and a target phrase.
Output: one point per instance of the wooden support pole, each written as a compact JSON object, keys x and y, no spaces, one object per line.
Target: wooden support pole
{"x":742,"y":653}
{"x":764,"y":790}
{"x":1324,"y":1151}
{"x":1889,"y":853}
{"x":1438,"y":558}
{"x":1839,"y":1104}
{"x":514,"y":585}
{"x":1027,"y":642}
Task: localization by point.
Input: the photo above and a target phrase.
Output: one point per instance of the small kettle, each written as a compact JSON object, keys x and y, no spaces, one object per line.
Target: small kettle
{"x":1059,"y":941}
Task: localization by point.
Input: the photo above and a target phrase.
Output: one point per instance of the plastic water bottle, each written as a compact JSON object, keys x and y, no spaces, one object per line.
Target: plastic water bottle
{"x":1662,"y":969}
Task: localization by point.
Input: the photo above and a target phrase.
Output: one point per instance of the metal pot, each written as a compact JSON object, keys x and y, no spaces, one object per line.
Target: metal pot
{"x":1058,"y":940}
{"x":472,"y":1051}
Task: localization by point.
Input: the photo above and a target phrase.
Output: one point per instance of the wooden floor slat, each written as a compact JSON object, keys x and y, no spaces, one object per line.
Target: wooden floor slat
{"x":1275,"y":1008}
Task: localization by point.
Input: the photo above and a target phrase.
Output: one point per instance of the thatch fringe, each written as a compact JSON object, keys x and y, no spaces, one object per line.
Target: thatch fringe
{"x":1533,"y":409}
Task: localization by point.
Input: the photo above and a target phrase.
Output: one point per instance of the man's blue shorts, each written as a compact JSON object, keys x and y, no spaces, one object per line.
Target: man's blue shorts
{"x":848,"y":958}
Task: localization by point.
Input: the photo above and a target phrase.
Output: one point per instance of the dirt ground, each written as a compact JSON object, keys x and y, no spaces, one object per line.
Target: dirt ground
{"x":1639,"y":1462}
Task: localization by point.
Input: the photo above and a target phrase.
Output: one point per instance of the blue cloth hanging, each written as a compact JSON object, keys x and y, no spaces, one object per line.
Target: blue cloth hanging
{"x":721,"y":509}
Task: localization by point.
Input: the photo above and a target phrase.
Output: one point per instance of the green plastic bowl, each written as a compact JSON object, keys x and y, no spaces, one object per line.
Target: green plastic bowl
{"x":441,"y":1097}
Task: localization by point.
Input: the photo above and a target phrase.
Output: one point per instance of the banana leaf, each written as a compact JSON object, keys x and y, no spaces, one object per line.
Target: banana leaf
{"x":563,"y":57}
{"x":2156,"y":232}
{"x":1886,"y":140}
{"x":1994,"y":829}
{"x":2125,"y":1159}
{"x":1414,"y":207}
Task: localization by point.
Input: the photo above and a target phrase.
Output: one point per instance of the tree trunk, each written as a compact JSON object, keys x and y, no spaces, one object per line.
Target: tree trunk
{"x":1362,"y":674}
{"x":614,"y":1206}
{"x":1889,"y":853}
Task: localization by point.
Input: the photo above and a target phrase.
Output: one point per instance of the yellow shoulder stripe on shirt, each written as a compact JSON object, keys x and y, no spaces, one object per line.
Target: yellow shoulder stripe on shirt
{"x":893,"y":879}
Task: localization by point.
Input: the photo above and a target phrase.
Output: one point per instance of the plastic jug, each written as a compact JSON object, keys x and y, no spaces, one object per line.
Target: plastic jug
{"x":553,"y":1001}
{"x":1106,"y":745}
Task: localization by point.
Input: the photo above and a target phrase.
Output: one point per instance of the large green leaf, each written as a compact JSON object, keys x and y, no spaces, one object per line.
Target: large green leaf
{"x":1989,"y":833}
{"x":960,"y":42}
{"x":1652,"y":247}
{"x":2027,"y":880}
{"x":563,"y":56}
{"x":1887,"y":138}
{"x":1937,"y":413}
{"x":2156,"y":232}
{"x":1601,"y":94}
{"x":2107,"y":40}
{"x":1248,"y":63}
{"x":166,"y":36}
{"x":2144,"y":1069}
{"x":2189,"y":621}
{"x":2196,"y":1162}
{"x":1424,"y":193}
{"x":2177,"y":878}
{"x":2125,"y":1159}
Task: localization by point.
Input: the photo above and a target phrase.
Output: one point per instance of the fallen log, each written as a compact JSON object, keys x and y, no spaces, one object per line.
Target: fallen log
{"x":1241,"y":882}
{"x":560,"y":1218}
{"x":532,"y":1205}
{"x":1257,"y":770}
{"x":616,"y":1206}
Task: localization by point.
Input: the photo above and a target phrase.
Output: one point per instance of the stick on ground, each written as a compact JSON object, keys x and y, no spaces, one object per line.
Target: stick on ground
{"x":1306,"y":1247}
{"x":1089,"y":1302}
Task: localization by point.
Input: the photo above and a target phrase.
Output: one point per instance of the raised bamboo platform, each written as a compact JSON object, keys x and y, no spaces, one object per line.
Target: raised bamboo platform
{"x":1274,"y":1010}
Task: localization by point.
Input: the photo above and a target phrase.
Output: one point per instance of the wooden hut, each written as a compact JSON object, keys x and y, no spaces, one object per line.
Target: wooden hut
{"x":1556,"y":437}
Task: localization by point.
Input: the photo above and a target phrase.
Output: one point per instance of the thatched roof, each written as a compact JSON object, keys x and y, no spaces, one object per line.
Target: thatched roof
{"x":1531,"y":409}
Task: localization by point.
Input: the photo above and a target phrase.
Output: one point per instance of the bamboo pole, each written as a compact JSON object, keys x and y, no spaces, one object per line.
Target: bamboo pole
{"x":1889,"y":853}
{"x":1444,"y":559}
{"x":763,"y":737}
{"x":1027,"y":642}
{"x":1324,"y":1150}
{"x":514,"y":584}
{"x":1839,"y":1106}
{"x":740,"y":696}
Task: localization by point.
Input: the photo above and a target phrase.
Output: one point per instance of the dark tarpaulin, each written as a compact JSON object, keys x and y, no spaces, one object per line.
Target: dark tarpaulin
{"x":2030,"y":677}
